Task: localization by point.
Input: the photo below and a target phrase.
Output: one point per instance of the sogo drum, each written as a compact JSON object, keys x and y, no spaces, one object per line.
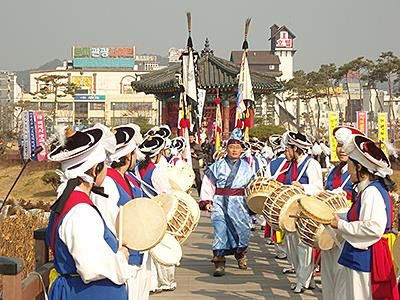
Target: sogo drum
{"x":179,"y":217}
{"x":257,"y":192}
{"x":279,"y":205}
{"x":194,"y":209}
{"x":141,"y":224}
{"x":314,"y":213}
{"x":168,"y":252}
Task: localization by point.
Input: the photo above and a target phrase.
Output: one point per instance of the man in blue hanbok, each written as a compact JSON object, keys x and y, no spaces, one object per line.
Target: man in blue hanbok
{"x":222,"y":194}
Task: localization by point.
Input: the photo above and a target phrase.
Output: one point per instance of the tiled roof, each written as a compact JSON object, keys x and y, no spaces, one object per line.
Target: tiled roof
{"x":212,"y":72}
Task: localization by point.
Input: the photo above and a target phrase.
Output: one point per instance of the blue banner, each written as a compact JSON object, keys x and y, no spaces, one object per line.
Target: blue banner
{"x":32,"y":134}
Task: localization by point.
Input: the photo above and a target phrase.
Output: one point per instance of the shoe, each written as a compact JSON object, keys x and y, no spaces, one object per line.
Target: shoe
{"x":292,"y":286}
{"x":270,"y":242}
{"x":167,"y":288}
{"x":312,"y":285}
{"x":280,"y":256}
{"x":219,"y":268}
{"x":288,"y":271}
{"x":242,"y":263}
{"x":299,"y":290}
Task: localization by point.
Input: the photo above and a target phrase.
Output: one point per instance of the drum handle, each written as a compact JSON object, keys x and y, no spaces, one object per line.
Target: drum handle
{"x":345,"y":181}
{"x":144,"y":183}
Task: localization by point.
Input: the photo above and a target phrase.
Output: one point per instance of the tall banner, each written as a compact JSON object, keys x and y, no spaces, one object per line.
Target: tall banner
{"x":201,"y":94}
{"x":362,"y":122}
{"x":333,"y":122}
{"x":40,"y":135}
{"x":32,"y":134}
{"x":25,"y":135}
{"x":218,"y":124}
{"x":382,"y":130}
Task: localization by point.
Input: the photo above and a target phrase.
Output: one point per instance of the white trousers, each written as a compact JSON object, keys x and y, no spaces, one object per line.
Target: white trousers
{"x":139,"y":283}
{"x":330,"y":268}
{"x":357,"y":285}
{"x":305,"y":267}
{"x":162,"y":276}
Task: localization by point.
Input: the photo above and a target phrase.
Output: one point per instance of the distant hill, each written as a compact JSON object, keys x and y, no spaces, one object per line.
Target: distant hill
{"x":23,"y":76}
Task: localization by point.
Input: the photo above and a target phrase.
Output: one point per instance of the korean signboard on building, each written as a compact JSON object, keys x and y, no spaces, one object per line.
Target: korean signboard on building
{"x":103,"y":57}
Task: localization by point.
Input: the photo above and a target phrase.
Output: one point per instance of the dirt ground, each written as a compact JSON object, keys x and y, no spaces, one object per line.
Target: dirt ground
{"x":30,"y":187}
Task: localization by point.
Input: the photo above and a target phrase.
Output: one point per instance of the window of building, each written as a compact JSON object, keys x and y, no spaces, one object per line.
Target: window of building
{"x":97,"y":120}
{"x":47,"y":105}
{"x":65,"y":106}
{"x":97,"y":106}
{"x":32,"y":106}
{"x":81,"y":108}
{"x":119,"y":105}
{"x":127,"y":89}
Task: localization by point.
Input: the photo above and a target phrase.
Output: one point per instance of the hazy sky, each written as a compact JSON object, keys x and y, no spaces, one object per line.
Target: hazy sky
{"x":33,"y":32}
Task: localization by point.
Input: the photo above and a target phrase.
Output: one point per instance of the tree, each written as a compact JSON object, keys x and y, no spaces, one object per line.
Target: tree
{"x":387,"y":69}
{"x":55,"y":85}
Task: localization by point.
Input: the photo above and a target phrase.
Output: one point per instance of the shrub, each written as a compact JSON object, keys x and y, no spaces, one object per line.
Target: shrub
{"x":51,"y":178}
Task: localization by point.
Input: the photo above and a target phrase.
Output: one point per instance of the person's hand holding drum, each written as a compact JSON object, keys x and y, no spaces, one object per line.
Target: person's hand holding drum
{"x":335,"y":221}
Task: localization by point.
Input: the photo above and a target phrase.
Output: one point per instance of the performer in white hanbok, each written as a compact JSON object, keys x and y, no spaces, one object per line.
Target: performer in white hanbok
{"x":367,"y":271}
{"x":87,"y":261}
{"x":120,"y":191}
{"x":305,"y":173}
{"x":152,"y":173}
{"x":276,"y":170}
{"x":338,"y":180}
{"x":222,"y":194}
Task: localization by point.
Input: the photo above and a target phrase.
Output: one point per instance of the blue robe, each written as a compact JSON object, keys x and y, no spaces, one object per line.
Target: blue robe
{"x":230,"y":215}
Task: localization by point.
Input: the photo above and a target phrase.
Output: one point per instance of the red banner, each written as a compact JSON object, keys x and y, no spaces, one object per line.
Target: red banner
{"x":362,"y":122}
{"x":40,"y":134}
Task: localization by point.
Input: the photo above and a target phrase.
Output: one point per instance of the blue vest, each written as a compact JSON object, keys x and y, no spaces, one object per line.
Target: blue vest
{"x":275,"y":163}
{"x":329,"y":181}
{"x":147,"y":178}
{"x":357,"y":259}
{"x":137,"y":191}
{"x":135,"y":258}
{"x":304,"y":178}
{"x":67,"y":287}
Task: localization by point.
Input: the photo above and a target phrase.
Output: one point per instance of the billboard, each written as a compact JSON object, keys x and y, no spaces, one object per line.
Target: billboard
{"x":83,"y":82}
{"x":103,"y":57}
{"x":90,"y":97}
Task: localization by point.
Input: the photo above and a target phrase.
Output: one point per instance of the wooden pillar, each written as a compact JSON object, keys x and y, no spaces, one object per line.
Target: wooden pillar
{"x":11,"y":268}
{"x":41,"y":249}
{"x":225,"y":119}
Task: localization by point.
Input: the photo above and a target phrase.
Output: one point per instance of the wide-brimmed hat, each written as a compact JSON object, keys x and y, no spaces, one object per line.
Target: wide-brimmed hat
{"x":163,"y":131}
{"x":178,"y":143}
{"x":343,"y":133}
{"x":368,"y":154}
{"x":298,"y":140}
{"x":125,"y":140}
{"x":152,"y":145}
{"x":82,"y":150}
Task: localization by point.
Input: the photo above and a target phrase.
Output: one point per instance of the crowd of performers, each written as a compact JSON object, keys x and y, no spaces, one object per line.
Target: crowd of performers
{"x":360,"y":267}
{"x":103,"y":169}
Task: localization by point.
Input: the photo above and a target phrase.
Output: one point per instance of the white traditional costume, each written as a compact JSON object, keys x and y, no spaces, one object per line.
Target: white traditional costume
{"x":86,"y":257}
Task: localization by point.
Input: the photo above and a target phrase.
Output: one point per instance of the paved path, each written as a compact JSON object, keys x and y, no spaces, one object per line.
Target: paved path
{"x":263,"y":279}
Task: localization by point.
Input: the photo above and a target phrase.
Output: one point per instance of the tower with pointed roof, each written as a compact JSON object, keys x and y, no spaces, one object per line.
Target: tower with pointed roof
{"x":282,"y":45}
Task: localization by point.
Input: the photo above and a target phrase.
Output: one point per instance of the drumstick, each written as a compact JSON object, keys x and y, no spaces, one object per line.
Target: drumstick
{"x":120,"y":226}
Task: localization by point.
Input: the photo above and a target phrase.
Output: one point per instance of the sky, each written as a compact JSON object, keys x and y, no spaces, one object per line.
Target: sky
{"x":35,"y":32}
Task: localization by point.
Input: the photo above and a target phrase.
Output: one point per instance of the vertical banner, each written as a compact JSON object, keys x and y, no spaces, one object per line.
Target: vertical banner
{"x":201,"y":99}
{"x":333,"y":122}
{"x":25,"y":135}
{"x":41,"y":134}
{"x":362,"y":124}
{"x":382,"y":130}
{"x":32,"y":134}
